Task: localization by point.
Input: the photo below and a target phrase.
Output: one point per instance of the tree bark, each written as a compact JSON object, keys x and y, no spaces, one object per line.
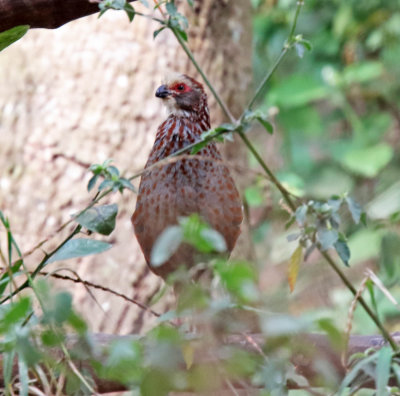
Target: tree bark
{"x":47,"y":14}
{"x":83,"y":93}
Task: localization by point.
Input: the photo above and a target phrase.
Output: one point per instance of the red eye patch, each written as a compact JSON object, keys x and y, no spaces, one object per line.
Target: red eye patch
{"x":180,"y":87}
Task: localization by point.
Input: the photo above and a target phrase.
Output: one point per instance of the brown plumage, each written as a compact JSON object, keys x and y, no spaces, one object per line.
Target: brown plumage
{"x":186,"y":186}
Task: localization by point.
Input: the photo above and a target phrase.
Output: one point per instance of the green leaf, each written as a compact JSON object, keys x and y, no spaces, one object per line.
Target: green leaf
{"x":5,"y":279}
{"x":215,"y":239}
{"x":8,"y":363}
{"x":171,"y":8}
{"x":200,"y":235}
{"x":145,"y":3}
{"x":99,"y":219}
{"x":130,"y":11}
{"x":23,"y":377}
{"x":92,"y":182}
{"x":199,"y":146}
{"x":370,"y":287}
{"x":297,"y":90}
{"x":383,"y":371}
{"x":62,"y":307}
{"x":299,"y":49}
{"x":239,"y":279}
{"x":279,"y":325}
{"x":327,"y":238}
{"x":254,"y":196}
{"x":390,"y":255}
{"x":183,"y":34}
{"x":113,"y":170}
{"x":386,"y":203}
{"x":156,"y":382}
{"x":355,"y":209}
{"x":106,"y":184}
{"x":368,"y":161}
{"x":127,"y":184}
{"x":266,"y":124}
{"x":362,"y":72}
{"x":11,"y":35}
{"x":158,"y":31}
{"x":166,"y":245}
{"x":25,"y":347}
{"x":355,"y":371}
{"x":79,"y":247}
{"x":300,"y":214}
{"x":335,"y":336}
{"x":15,"y":313}
{"x":77,"y":323}
{"x":343,"y":251}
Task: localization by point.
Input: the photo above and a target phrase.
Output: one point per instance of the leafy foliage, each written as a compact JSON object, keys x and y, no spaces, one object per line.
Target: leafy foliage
{"x":11,"y":35}
{"x":112,"y":179}
{"x":335,"y":112}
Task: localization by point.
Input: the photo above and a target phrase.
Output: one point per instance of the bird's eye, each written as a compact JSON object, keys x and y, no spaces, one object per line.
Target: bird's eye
{"x":181,"y":87}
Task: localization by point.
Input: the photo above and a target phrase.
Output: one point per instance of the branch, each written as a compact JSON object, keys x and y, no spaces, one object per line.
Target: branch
{"x":48,"y":14}
{"x":312,"y":345}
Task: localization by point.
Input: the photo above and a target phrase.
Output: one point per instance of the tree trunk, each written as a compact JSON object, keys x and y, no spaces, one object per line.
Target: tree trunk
{"x":84,"y":93}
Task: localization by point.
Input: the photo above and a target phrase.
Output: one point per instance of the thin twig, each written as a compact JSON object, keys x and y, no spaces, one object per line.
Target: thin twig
{"x":349,"y":324}
{"x":218,"y":98}
{"x":284,"y":50}
{"x":103,"y":288}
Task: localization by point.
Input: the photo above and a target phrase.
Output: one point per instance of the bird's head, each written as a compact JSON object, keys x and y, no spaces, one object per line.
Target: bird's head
{"x":182,"y":94}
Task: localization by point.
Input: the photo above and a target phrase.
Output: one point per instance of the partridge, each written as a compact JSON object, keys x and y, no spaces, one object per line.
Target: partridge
{"x":199,"y":184}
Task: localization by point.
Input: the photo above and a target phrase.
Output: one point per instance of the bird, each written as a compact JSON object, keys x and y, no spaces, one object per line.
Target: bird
{"x":198,"y":184}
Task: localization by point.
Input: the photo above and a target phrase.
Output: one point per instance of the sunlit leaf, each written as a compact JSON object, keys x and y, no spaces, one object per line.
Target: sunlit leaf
{"x":15,"y":313}
{"x":8,"y":364}
{"x":23,"y":377}
{"x":300,"y":214}
{"x":188,"y":355}
{"x":294,"y":265}
{"x":362,"y":72}
{"x":239,"y":278}
{"x":99,"y":219}
{"x":166,"y":245}
{"x":171,"y":8}
{"x":254,"y":196}
{"x":79,"y":247}
{"x":282,"y":324}
{"x":355,"y":209}
{"x":383,"y":371}
{"x":368,"y":161}
{"x":355,"y":371}
{"x":390,"y":255}
{"x":327,"y":238}
{"x":215,"y":239}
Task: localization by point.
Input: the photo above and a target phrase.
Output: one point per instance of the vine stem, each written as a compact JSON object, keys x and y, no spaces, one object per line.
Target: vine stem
{"x":268,"y":171}
{"x":286,"y":47}
{"x":363,"y":303}
{"x":31,"y":276}
{"x":288,"y":44}
{"x":189,"y":53}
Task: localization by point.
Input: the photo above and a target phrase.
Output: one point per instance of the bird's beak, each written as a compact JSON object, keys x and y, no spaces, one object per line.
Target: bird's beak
{"x":162,"y":92}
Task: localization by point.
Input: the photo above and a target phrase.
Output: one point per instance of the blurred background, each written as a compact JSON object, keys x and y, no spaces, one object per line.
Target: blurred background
{"x":337,"y":117}
{"x":85,"y":92}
